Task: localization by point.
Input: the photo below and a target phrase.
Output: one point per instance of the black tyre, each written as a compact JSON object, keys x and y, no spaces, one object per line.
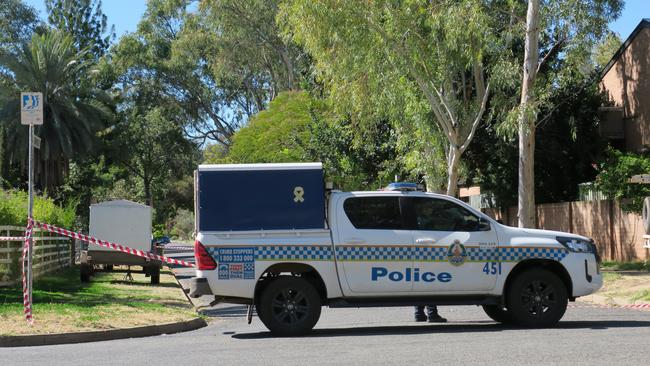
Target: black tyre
{"x":155,"y":275}
{"x":289,"y":306}
{"x":537,"y":298}
{"x":498,"y":313}
{"x":85,"y":272}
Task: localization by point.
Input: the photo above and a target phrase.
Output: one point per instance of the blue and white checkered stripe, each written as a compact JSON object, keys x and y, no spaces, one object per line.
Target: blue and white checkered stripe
{"x":518,"y":254}
{"x":296,"y":252}
{"x":430,"y":254}
{"x":397,"y":253}
{"x":373,"y":253}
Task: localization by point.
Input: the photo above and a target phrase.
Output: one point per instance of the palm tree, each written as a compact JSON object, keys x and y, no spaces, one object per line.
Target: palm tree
{"x":74,"y":110}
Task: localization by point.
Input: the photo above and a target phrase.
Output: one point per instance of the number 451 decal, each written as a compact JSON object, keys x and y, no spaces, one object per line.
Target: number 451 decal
{"x":492,"y":268}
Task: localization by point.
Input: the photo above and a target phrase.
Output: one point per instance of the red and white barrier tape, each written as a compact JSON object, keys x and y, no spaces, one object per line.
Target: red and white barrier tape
{"x":115,"y":246}
{"x":26,"y":298}
{"x":636,"y":306}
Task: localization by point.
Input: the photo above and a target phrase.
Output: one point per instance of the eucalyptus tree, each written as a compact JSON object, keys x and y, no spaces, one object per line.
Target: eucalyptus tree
{"x":559,"y":38}
{"x":391,"y":57}
{"x":74,"y":112}
{"x":219,"y":63}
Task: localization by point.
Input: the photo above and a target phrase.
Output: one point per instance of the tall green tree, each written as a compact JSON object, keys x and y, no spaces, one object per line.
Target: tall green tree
{"x":559,"y":38}
{"x":250,"y":44}
{"x":17,"y":23}
{"x":299,"y":128}
{"x":74,"y":112}
{"x":379,"y":57}
{"x":85,"y":21}
{"x":567,"y":149}
{"x":220,"y":63}
{"x":153,"y":149}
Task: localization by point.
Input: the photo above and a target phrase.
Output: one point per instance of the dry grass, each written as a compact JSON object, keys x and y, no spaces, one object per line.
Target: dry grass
{"x":62,"y":304}
{"x":623,"y":288}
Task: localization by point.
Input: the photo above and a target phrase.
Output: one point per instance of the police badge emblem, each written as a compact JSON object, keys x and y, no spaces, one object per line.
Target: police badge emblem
{"x":456,"y":254}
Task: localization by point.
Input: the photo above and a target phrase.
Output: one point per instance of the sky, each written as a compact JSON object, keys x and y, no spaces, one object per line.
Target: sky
{"x":125,"y":14}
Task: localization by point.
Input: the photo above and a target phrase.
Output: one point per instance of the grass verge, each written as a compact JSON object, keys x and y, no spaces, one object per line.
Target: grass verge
{"x":622,"y":288}
{"x":63,"y":304}
{"x":626,"y":266}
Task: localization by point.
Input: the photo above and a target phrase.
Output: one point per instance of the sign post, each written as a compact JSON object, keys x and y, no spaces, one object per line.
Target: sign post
{"x":31,"y":113}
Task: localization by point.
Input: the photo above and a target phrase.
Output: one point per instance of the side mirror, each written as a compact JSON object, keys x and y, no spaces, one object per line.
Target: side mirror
{"x":484,"y":225}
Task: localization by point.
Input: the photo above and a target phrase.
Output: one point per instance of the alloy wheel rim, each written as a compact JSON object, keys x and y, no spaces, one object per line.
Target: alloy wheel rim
{"x":538,"y":298}
{"x":290,"y":306}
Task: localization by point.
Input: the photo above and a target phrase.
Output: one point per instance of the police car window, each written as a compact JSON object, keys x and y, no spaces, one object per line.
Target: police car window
{"x":374,"y":212}
{"x":442,"y":215}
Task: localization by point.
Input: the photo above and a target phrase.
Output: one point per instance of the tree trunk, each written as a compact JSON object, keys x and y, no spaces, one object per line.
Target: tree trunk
{"x":453,"y":159}
{"x":526,"y":196}
{"x":284,"y":53}
{"x":147,"y":192}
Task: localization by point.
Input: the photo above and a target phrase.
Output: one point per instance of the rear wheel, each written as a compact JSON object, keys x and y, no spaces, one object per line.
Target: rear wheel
{"x":537,"y":298}
{"x":289,"y":306}
{"x":498,"y":313}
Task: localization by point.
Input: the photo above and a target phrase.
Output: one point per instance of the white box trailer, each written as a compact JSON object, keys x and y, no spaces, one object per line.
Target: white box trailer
{"x":123,"y":222}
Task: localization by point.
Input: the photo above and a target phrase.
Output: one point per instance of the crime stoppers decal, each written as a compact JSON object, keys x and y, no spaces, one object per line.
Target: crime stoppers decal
{"x":236,"y":263}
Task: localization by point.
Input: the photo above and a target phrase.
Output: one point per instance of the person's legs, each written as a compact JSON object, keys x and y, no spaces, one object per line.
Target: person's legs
{"x":419,"y":314}
{"x":434,"y":317}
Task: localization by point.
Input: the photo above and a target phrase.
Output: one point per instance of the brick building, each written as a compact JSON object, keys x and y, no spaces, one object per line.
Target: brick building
{"x":626,"y":79}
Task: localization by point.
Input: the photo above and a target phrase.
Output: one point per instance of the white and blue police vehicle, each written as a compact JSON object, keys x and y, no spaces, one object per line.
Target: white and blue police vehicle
{"x":271,"y":236}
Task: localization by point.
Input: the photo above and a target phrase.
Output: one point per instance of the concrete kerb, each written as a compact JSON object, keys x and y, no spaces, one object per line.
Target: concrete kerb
{"x":101,"y":335}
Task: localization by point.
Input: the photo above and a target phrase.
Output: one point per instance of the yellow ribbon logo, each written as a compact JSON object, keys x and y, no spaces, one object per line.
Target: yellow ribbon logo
{"x":298,"y":192}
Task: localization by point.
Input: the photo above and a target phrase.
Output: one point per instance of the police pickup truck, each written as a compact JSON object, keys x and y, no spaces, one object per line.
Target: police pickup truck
{"x":271,"y":236}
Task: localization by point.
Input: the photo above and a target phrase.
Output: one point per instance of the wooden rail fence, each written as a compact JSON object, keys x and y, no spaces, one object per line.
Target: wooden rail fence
{"x":50,"y":253}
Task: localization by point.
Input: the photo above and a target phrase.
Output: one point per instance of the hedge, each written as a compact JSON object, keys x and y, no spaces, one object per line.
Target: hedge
{"x":13,"y":210}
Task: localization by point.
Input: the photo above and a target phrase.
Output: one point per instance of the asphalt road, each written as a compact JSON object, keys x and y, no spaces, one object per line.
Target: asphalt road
{"x":381,"y":336}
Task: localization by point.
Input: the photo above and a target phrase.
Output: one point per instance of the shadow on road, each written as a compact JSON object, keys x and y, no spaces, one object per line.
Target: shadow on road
{"x":473,"y":327}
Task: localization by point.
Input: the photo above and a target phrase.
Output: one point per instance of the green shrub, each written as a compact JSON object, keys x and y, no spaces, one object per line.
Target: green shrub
{"x":13,"y":210}
{"x":615,"y":173}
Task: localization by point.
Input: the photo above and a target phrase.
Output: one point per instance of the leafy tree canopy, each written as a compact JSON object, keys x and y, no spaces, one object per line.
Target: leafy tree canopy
{"x":384,"y":59}
{"x":17,"y":23}
{"x":84,"y":21}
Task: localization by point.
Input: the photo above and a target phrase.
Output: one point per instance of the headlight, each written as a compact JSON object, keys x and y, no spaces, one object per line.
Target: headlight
{"x":577,"y":245}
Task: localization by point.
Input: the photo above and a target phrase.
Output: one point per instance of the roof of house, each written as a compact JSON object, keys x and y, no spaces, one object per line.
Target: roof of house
{"x":645,"y":23}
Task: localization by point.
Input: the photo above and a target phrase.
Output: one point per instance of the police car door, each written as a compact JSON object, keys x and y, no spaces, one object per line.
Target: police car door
{"x":453,"y":247}
{"x":373,"y":245}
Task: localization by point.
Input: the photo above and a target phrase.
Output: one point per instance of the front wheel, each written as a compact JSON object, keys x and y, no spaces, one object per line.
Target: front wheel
{"x":537,"y":298}
{"x":289,"y":306}
{"x":498,"y":313}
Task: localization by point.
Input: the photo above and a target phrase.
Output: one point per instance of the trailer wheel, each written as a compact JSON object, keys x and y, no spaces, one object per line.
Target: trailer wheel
{"x":85,"y":272}
{"x":537,"y":298}
{"x":289,"y":306}
{"x":155,"y":275}
{"x":498,"y":313}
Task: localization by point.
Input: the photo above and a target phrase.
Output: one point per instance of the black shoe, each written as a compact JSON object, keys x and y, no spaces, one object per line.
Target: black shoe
{"x":420,"y":318}
{"x":437,"y":319}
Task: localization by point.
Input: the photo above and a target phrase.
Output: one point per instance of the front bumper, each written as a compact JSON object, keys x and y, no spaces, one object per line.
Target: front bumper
{"x":199,"y":287}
